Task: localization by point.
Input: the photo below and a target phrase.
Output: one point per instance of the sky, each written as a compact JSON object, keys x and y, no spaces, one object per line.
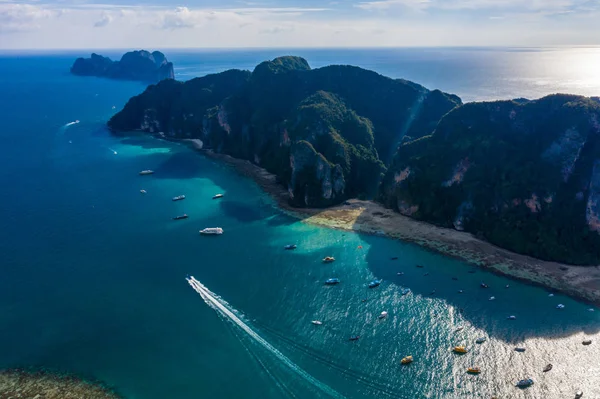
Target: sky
{"x":89,"y":24}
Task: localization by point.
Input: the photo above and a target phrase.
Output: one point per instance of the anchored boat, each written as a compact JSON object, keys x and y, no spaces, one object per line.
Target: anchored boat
{"x":146,"y":172}
{"x":211,"y":231}
{"x":407,"y":360}
{"x":184,"y":216}
{"x":374,"y":283}
{"x":178,"y":198}
{"x":525,"y":383}
{"x":332,"y":281}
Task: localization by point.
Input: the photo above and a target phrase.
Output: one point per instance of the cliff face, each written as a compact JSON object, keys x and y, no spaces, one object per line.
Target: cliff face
{"x":135,"y":65}
{"x":326,"y":133}
{"x":524,"y":175}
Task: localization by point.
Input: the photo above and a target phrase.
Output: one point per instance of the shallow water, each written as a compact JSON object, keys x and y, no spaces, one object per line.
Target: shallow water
{"x":93,"y":275}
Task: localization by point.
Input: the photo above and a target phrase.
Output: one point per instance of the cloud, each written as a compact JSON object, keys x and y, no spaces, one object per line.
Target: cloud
{"x":23,"y":17}
{"x":531,"y":6}
{"x":104,"y":20}
{"x":180,"y":17}
{"x":277,"y":29}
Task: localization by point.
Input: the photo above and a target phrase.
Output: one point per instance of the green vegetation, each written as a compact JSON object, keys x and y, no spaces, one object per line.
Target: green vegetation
{"x":351,"y":120}
{"x":519,"y":174}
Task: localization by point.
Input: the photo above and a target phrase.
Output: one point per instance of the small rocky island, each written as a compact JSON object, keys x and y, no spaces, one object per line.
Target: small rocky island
{"x":524,"y":175}
{"x":135,"y":65}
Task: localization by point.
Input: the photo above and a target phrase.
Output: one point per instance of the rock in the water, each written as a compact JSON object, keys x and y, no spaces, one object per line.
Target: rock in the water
{"x":134,"y":65}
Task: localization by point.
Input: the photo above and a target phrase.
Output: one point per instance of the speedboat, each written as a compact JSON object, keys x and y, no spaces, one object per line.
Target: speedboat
{"x":420,"y":266}
{"x":507,"y":286}
{"x":512,"y":317}
{"x":328,"y":259}
{"x":406,"y":360}
{"x":550,"y":295}
{"x":143,"y":191}
{"x":212,"y":231}
{"x":460,"y":291}
{"x":178,"y":198}
{"x":374,"y":283}
{"x":484,"y":285}
{"x":578,"y":394}
{"x":332,"y":281}
{"x":587,"y":342}
{"x":492,"y":298}
{"x":405,"y":291}
{"x":525,"y":383}
{"x":317,"y":322}
{"x":146,"y":172}
{"x":217,"y":196}
{"x":591,"y":310}
{"x":290,"y":246}
{"x":354,"y":338}
{"x":520,"y":349}
{"x":383,"y":315}
{"x":547,"y":368}
{"x":394,"y":258}
{"x":560,"y":306}
{"x":459,"y":349}
{"x":184,"y":216}
{"x":400,"y":274}
{"x":473,"y":370}
{"x":480,"y":340}
{"x":459,"y":329}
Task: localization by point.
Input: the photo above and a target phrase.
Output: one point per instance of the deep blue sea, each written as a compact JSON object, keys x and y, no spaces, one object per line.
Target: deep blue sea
{"x":92,"y":272}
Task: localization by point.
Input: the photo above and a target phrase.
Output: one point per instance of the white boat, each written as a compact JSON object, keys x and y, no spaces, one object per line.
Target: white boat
{"x":512,"y":317}
{"x":143,"y":191}
{"x":492,"y":298}
{"x":480,"y":340}
{"x":146,"y":172}
{"x":591,"y":310}
{"x":178,"y":198}
{"x":218,"y":196}
{"x":560,"y":306}
{"x":212,"y":231}
{"x":579,"y":394}
{"x":317,"y":322}
{"x":383,"y":315}
{"x":550,"y":295}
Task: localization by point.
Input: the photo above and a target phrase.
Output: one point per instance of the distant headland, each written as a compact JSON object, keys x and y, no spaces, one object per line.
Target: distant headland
{"x":135,"y":65}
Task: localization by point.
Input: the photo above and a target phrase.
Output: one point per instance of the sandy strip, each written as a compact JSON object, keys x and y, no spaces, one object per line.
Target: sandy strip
{"x":581,"y":282}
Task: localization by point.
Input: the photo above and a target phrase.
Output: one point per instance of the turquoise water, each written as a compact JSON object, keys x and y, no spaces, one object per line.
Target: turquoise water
{"x":93,"y":274}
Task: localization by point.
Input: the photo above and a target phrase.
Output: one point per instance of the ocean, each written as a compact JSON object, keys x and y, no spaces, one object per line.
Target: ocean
{"x":93,"y":273}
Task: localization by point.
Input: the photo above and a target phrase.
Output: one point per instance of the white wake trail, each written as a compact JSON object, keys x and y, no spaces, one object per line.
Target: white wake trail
{"x":222,"y":307}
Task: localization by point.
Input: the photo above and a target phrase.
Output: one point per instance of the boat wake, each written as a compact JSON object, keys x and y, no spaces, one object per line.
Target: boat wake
{"x":66,"y":126}
{"x":111,"y":150}
{"x":226,"y":311}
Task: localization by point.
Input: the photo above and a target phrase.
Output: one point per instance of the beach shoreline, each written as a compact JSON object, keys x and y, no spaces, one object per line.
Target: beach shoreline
{"x":368,"y":217}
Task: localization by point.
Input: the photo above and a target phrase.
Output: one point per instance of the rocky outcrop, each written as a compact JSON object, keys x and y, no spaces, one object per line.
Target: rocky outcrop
{"x":314,"y":181}
{"x":515,"y":173}
{"x":135,"y":65}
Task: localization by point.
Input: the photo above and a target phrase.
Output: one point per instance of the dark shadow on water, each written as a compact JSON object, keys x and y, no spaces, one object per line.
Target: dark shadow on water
{"x":243,"y":211}
{"x":179,"y":165}
{"x":441,"y":279}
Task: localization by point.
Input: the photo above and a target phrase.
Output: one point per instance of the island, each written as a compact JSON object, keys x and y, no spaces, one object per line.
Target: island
{"x":520,"y":175}
{"x":134,"y":65}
